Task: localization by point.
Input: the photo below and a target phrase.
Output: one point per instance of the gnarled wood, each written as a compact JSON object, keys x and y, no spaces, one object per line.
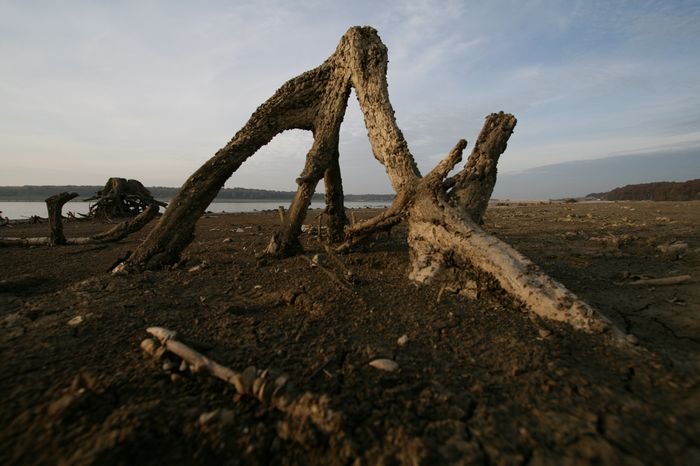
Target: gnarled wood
{"x":121,"y":198}
{"x":443,"y":215}
{"x":473,"y":186}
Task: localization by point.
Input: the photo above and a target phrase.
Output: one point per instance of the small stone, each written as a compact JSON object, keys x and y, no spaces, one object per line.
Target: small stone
{"x":227,"y":240}
{"x":169,"y":366}
{"x":544,"y":333}
{"x":175,"y":377}
{"x":385,"y":365}
{"x":402,"y":340}
{"x":319,"y":260}
{"x":149,"y":345}
{"x":197,"y":268}
{"x":75,"y":321}
{"x":206,"y":418}
{"x":632,"y":339}
{"x":240,"y":230}
{"x":220,"y":416}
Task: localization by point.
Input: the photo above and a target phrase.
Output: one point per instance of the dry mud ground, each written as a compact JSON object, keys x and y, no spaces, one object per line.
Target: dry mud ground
{"x":479,"y":382}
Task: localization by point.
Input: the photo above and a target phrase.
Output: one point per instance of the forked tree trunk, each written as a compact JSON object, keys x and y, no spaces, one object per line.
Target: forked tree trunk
{"x":443,"y":214}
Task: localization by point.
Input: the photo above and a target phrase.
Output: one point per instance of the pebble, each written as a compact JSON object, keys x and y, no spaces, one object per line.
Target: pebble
{"x":632,"y":339}
{"x":149,"y":345}
{"x":402,"y":340}
{"x":385,"y":365}
{"x":169,"y":366}
{"x":75,"y":321}
{"x":223,"y":416}
{"x":319,"y":259}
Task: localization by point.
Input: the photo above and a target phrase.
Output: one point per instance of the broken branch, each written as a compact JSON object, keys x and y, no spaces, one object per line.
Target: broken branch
{"x":266,"y":386}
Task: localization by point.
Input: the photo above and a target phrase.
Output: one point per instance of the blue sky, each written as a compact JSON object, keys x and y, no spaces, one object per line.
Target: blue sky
{"x":151,"y":89}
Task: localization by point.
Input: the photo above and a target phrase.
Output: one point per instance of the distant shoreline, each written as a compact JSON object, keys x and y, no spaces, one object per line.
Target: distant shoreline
{"x":32,"y":193}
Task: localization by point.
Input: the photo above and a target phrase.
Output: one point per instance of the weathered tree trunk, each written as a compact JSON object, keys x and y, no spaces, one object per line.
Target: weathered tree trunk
{"x":474,"y":184}
{"x":54,"y":205}
{"x":335,"y":201}
{"x":443,"y":215}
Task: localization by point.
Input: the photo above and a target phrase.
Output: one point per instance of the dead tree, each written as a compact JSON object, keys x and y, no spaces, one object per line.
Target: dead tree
{"x":443,"y":214}
{"x":121,"y":198}
{"x":54,"y":205}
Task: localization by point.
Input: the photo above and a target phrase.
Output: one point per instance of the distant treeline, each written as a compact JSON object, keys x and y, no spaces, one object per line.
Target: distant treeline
{"x":661,"y":191}
{"x":39,"y":193}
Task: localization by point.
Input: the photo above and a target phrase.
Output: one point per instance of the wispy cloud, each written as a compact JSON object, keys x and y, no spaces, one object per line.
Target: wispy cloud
{"x":143,"y":85}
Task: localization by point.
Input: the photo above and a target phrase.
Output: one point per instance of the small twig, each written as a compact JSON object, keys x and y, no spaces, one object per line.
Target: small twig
{"x":330,"y":274}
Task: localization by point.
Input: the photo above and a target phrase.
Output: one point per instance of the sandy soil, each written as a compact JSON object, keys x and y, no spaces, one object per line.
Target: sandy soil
{"x":479,"y":381}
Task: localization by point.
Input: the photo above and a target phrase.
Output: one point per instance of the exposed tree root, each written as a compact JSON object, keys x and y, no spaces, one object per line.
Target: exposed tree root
{"x":121,"y":198}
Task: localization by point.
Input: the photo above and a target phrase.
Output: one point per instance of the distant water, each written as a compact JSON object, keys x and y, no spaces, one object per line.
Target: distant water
{"x":19,"y":210}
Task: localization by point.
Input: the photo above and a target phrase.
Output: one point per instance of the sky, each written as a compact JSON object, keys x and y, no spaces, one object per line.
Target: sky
{"x":152,"y":89}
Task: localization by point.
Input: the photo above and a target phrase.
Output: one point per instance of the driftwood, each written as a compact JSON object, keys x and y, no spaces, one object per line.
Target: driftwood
{"x":55,"y":204}
{"x":443,"y":213}
{"x":267,"y":386}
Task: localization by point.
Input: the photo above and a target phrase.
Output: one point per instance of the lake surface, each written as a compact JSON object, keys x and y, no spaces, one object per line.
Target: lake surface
{"x":20,"y":210}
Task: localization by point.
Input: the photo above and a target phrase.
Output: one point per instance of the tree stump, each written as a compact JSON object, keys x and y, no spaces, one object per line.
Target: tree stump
{"x":54,"y":205}
{"x":121,"y":198}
